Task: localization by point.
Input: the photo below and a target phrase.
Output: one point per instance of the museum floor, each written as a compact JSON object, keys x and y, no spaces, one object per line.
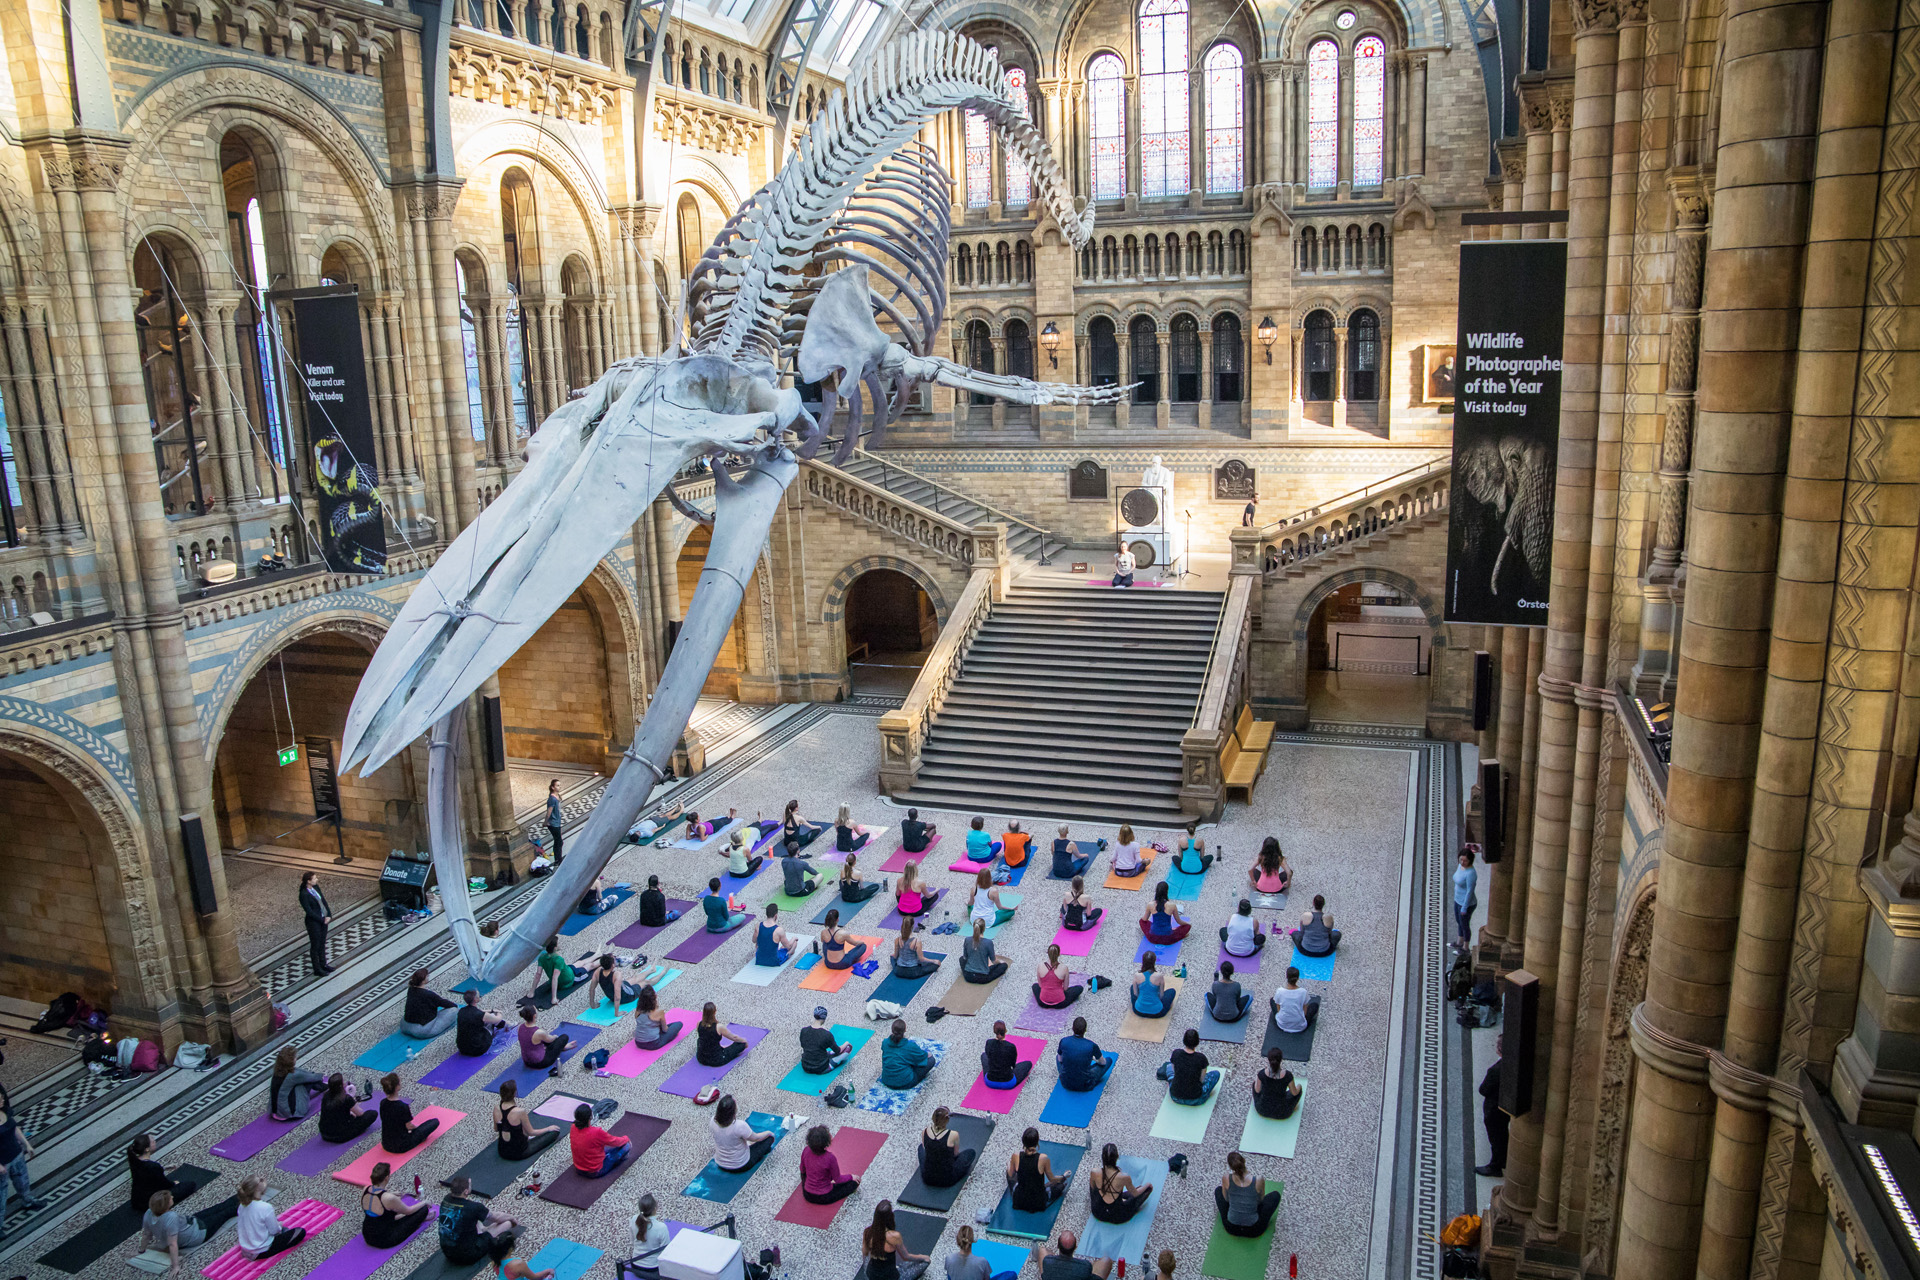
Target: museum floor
{"x":1384,"y":1149}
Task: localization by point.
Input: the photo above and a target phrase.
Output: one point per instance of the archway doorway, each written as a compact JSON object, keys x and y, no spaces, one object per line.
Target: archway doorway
{"x":891,"y":626}
{"x":723,"y":681}
{"x":565,"y":701}
{"x":1369,"y":653}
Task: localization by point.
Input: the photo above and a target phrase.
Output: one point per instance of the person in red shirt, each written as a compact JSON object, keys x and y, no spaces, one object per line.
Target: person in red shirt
{"x":596,"y":1153}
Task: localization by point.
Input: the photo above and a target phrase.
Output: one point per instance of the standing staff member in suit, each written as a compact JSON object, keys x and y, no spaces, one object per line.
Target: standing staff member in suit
{"x":313,"y":905}
{"x":1493,"y":1117}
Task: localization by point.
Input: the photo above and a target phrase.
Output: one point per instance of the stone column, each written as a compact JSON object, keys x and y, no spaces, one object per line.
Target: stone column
{"x":1560,"y":109}
{"x":220,"y":416}
{"x":1163,"y":411}
{"x":497,"y":417}
{"x":1273,"y":120}
{"x":23,"y":411}
{"x":442,"y":442}
{"x":1417,"y":115}
{"x":1339,"y":376}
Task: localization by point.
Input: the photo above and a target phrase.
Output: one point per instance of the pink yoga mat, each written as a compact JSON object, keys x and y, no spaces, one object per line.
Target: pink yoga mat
{"x":629,"y":1060}
{"x":638,"y":935}
{"x":981,"y":1098}
{"x":967,"y":865}
{"x":900,"y":857}
{"x":356,"y":1259}
{"x":560,"y":1106}
{"x":855,"y":1150}
{"x":702,"y":944}
{"x":1079,"y":942}
{"x":693,"y":1077}
{"x":356,"y":1173}
{"x":251,"y":1139}
{"x":315,"y":1215}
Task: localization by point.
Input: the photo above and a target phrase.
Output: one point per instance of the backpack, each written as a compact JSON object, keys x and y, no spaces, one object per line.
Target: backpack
{"x":61,"y":1011}
{"x":190,"y":1055}
{"x":146,"y":1057}
{"x":838,"y":1096}
{"x":1460,"y":977}
{"x":280,"y":1014}
{"x":123,"y":1054}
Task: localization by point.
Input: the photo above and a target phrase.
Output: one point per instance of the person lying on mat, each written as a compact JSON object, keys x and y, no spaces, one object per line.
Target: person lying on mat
{"x":291,"y":1091}
{"x":1226,"y":1001}
{"x":650,"y":1236}
{"x":1000,"y":1061}
{"x":1113,"y":1196}
{"x":647,"y":828}
{"x":1240,"y":935}
{"x":514,"y":1135}
{"x":1127,"y":861}
{"x":385,"y":1220}
{"x":260,"y":1234}
{"x":1192,"y":858}
{"x":1079,"y":1061}
{"x":977,"y":962}
{"x":820,"y":1180}
{"x":651,"y":1030}
{"x":1270,"y":872}
{"x":1077,"y":911}
{"x":852,"y":887}
{"x":653,"y":906}
{"x":715,"y":1043}
{"x":1030,"y":1176}
{"x":1161,"y":920}
{"x":798,"y":877}
{"x":848,"y":835}
{"x":700,"y":830}
{"x":1316,"y":935}
{"x":908,"y":897}
{"x":595,"y":1151}
{"x":981,"y":847}
{"x":604,"y":981}
{"x":1246,"y":1206}
{"x":518,"y":1269}
{"x":796,"y":833}
{"x":1276,"y":1094}
{"x":984,"y":904}
{"x":885,"y":1250}
{"x":741,"y":863}
{"x":1294,"y":1009}
{"x":737,"y":1145}
{"x":916,"y":835}
{"x":1063,"y":1265}
{"x":820,"y":1053}
{"x":473,"y":1027}
{"x":903,"y":1062}
{"x":469,"y":1230}
{"x":943,"y":1161}
{"x":148,"y":1177}
{"x":558,"y":974}
{"x":772,"y":945}
{"x":1016,"y":846}
{"x":837,"y":946}
{"x":1149,"y":995}
{"x":539,"y":1048}
{"x":1189,"y":1081}
{"x":909,"y":957}
{"x":723,"y":913}
{"x":399,"y":1131}
{"x":1050,"y":990}
{"x":1068,"y":862}
{"x":165,"y":1228}
{"x":341,"y":1119}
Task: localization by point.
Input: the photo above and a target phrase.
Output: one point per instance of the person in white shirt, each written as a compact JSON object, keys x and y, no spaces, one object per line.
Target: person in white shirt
{"x":261,"y":1235}
{"x":737,"y":1146}
{"x":650,"y":1234}
{"x":1123,"y":567}
{"x":1126,"y":855}
{"x":1294,"y":1009}
{"x":1241,"y":935}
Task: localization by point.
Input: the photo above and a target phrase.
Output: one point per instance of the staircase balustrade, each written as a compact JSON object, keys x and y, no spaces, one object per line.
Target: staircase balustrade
{"x":961,"y":500}
{"x":943,"y":535}
{"x":1203,"y":791}
{"x":1355,"y":516}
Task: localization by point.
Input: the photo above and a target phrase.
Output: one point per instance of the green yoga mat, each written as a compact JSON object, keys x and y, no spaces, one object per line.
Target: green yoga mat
{"x":798,"y":1081}
{"x":791,"y":906}
{"x":1008,"y":901}
{"x":1232,"y":1257}
{"x":1263,"y":1137}
{"x":1182,"y":1123}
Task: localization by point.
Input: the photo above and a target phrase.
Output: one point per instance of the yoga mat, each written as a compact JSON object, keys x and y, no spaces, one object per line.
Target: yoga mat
{"x":732,"y":884}
{"x":724,"y":829}
{"x":847,"y":910}
{"x":1241,"y":964}
{"x":1262,"y":1136}
{"x":702,"y":944}
{"x":1181,"y":1123}
{"x":579,"y":920}
{"x":490,"y":1173}
{"x":1079,"y":942}
{"x":898,"y":860}
{"x":693,"y":1077}
{"x":1151,"y":1030}
{"x":390,"y":1053}
{"x":1116,"y":881}
{"x":1088,"y":849}
{"x":772,"y":832}
{"x":99,"y":1238}
{"x":577,"y":1192}
{"x":1008,"y":901}
{"x":436,"y":1267}
{"x":815,"y":1086}
{"x":964,"y":999}
{"x":356,"y":1173}
{"x":459,"y":1068}
{"x":901,"y":991}
{"x":315,"y":1215}
{"x":531,"y":1078}
{"x":1211,"y":1028}
{"x":890,"y":922}
{"x":1053,"y":1022}
{"x":791,"y":904}
{"x":968,"y":866}
{"x":606,"y":1013}
{"x":919,"y":1233}
{"x":1165,"y":954}
{"x":1127,"y":1239}
{"x":821,"y":978}
{"x":1184,"y":886}
{"x":1314,"y":968}
{"x":569,"y":1260}
{"x":1000,"y":1257}
{"x":311,"y":1158}
{"x":629,"y":1060}
{"x":252,"y":1138}
{"x":559,"y":1106}
{"x":973,"y":1133}
{"x":762,"y":975}
{"x":1269,"y":901}
{"x":855,"y":1150}
{"x":1296,"y":1045}
{"x":893,"y":1102}
{"x":1074,"y":1109}
{"x":1008,"y":1221}
{"x":1232,"y":1257}
{"x":638,"y":935}
{"x":984,"y":1098}
{"x":716,"y":1184}
{"x":357,"y":1260}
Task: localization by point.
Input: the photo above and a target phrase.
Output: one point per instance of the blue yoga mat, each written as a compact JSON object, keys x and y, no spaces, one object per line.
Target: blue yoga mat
{"x":530,"y":1078}
{"x":1074,"y":1109}
{"x":473,"y":984}
{"x":1081,"y":849}
{"x":1314,"y":968}
{"x":1127,"y":1239}
{"x":569,"y":1260}
{"x":798,"y":1081}
{"x":1165,"y":956}
{"x":1008,"y":1221}
{"x":901,"y":991}
{"x":1185,"y":887}
{"x":731,"y":884}
{"x":388,"y":1054}
{"x":1002,"y":1259}
{"x":579,"y":920}
{"x":715,"y":1183}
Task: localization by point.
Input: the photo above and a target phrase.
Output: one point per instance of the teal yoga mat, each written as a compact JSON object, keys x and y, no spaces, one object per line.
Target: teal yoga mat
{"x":1183,"y":1123}
{"x":1008,"y":1221}
{"x":715,"y":1183}
{"x":798,"y":1081}
{"x":568,"y":1259}
{"x":1314,"y":968}
{"x":1263,"y":1137}
{"x":901,"y":991}
{"x":1003,"y":1258}
{"x":1127,"y":1239}
{"x":390,"y":1053}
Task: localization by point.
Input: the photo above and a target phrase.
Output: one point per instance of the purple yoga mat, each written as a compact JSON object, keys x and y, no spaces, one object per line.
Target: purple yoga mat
{"x":701,"y":945}
{"x":890,"y":923}
{"x":1051,"y":1022}
{"x":250,"y":1140}
{"x":315,"y":1156}
{"x":638,"y":935}
{"x":459,"y":1068}
{"x":693,"y":1077}
{"x":356,"y":1259}
{"x":1241,"y":964}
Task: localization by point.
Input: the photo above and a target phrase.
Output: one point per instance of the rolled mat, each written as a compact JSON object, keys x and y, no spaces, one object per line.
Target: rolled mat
{"x":847,"y":910}
{"x":356,"y":1173}
{"x":490,"y":1173}
{"x":1211,"y":1028}
{"x":1079,"y":942}
{"x":1232,"y":1257}
{"x":1314,"y":968}
{"x":356,"y":1259}
{"x":1127,"y":1239}
{"x":104,"y":1234}
{"x":965,"y":999}
{"x":1001,"y":1257}
{"x":1053,"y":1022}
{"x":1073,"y":1109}
{"x":638,"y":935}
{"x":1265,"y":1137}
{"x":1008,"y":1221}
{"x":855,"y":1150}
{"x":1241,"y":964}
{"x":984,"y":1097}
{"x":897,"y":861}
{"x":573,"y":1190}
{"x":252,"y":1138}
{"x":693,"y":1077}
{"x":901,"y":991}
{"x":579,"y":920}
{"x":1296,"y":1045}
{"x":800,"y":1080}
{"x":972,"y":1133}
{"x":568,"y":1259}
{"x":886,"y":1101}
{"x":530,"y":1078}
{"x":967,"y":866}
{"x":311,"y":1158}
{"x":629,"y":1060}
{"x":720,"y":1185}
{"x":918,"y":1232}
{"x":890,"y":922}
{"x":703,"y":944}
{"x":822,"y":978}
{"x":1115,"y":880}
{"x":1151,"y":1030}
{"x":315,"y":1215}
{"x":459,"y":1068}
{"x":388,"y":1054}
{"x":1181,"y":1123}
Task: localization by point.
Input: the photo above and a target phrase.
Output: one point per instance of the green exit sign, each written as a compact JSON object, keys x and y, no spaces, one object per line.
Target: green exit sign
{"x":289,"y":755}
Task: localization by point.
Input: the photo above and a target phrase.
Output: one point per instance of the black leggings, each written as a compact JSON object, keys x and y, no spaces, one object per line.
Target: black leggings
{"x":1269,"y":1203}
{"x":550,"y":1056}
{"x":854,"y":954}
{"x":962,"y":1166}
{"x":283,"y":1241}
{"x":1122,"y":1209}
{"x":1067,"y":997}
{"x":390,"y":1230}
{"x":216,"y":1216}
{"x":350,"y":1126}
{"x":728,"y":1052}
{"x":399,"y":1143}
{"x":534,"y":1146}
{"x":996,"y":971}
{"x":858,"y":892}
{"x":841,"y":1190}
{"x":1088,"y":919}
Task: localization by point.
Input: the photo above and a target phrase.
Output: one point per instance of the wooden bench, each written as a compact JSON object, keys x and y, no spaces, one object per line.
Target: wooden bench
{"x":1239,"y":770}
{"x":1254,"y":735}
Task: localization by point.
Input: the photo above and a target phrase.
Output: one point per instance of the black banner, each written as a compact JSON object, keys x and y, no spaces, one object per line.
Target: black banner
{"x":322,"y":778}
{"x":333,"y":394}
{"x":1506,"y":430}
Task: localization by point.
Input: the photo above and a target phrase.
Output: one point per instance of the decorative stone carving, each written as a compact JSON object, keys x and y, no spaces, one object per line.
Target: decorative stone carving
{"x":1234,"y":481}
{"x":693,"y":123}
{"x":531,"y":84}
{"x":1088,"y":479}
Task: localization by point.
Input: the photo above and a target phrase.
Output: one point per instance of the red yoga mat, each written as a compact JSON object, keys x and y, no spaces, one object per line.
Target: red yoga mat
{"x":855,"y":1150}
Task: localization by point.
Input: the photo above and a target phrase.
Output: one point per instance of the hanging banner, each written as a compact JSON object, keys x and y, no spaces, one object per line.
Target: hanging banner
{"x":1506,"y":430}
{"x":333,"y":395}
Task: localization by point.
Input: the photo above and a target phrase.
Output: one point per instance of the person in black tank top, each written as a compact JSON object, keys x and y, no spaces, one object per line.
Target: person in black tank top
{"x":514,"y":1136}
{"x":942,"y":1163}
{"x":1031,"y":1177}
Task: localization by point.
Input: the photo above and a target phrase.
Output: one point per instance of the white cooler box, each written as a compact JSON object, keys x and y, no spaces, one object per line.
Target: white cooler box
{"x":695,"y":1255}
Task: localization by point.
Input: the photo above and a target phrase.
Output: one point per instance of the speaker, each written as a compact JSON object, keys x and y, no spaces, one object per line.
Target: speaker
{"x":1482,"y":690}
{"x":496,"y":735}
{"x":1492,"y":810}
{"x":199,"y":871}
{"x":1519,"y":1016}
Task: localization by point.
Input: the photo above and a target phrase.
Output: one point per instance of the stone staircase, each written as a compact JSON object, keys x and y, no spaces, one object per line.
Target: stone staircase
{"x":1031,"y":545}
{"x":1071,"y":703}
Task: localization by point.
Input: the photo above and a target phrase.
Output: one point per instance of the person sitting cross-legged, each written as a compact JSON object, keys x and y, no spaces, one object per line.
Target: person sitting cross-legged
{"x":469,"y":1230}
{"x":820,"y":1053}
{"x":596,"y":1153}
{"x":1276,"y":1094}
{"x":1316,"y":935}
{"x":1115,"y":1198}
{"x":1149,"y":995}
{"x":1030,"y":1175}
{"x":1063,"y":1264}
{"x":1294,"y":1009}
{"x":1000,"y":1061}
{"x":798,"y":877}
{"x":772,"y":945}
{"x":741,"y":861}
{"x":852,"y":888}
{"x":981,"y":847}
{"x":820,"y":1178}
{"x":909,"y":955}
{"x":943,"y":1162}
{"x":904,"y":1063}
{"x":1068,"y":861}
{"x":538,"y":1048}
{"x":723,"y":913}
{"x":428,"y":1014}
{"x":1015,"y":846}
{"x":1050,"y":989}
{"x":1161,"y":920}
{"x":1226,"y":1000}
{"x":1190,"y":1083}
{"x":1080,"y":1063}
{"x":1192,"y":858}
{"x":1077,"y":911}
{"x":977,"y":962}
{"x":1245,"y":1205}
{"x":837,"y":947}
{"x":1240,"y":935}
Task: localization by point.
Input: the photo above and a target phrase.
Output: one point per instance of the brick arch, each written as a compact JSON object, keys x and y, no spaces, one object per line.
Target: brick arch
{"x":364,"y":620}
{"x":1303,"y":615}
{"x":833,"y":605}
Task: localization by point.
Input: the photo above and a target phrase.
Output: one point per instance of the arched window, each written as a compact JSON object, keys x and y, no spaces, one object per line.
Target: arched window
{"x":1153,"y":255}
{"x":1323,"y":115}
{"x":1363,"y":356}
{"x":1019,"y":181}
{"x":1019,"y":349}
{"x":1183,"y":349}
{"x":1316,"y":357}
{"x":1163,"y":99}
{"x":582,"y":33}
{"x":1131,"y":258}
{"x":1193,"y":253}
{"x":507,"y":28}
{"x":666,"y":59}
{"x":1376,"y":248}
{"x":1109,"y":258}
{"x":9,"y":484}
{"x":1088,"y":264}
{"x":980,"y":354}
{"x":686,"y":214}
{"x":168,"y":366}
{"x":963,"y":265}
{"x":686,"y":66}
{"x":514,"y":192}
{"x":1369,"y":111}
{"x":1002,"y":263}
{"x":1107,"y":126}
{"x":1023,"y":262}
{"x":1227,"y":355}
{"x":557,"y":21}
{"x":979,"y":161}
{"x":1216,"y":252}
{"x":1225,"y":93}
{"x":1144,"y":359}
{"x":1103,"y":351}
{"x":470,"y":351}
{"x":720,"y":79}
{"x":1237,"y":251}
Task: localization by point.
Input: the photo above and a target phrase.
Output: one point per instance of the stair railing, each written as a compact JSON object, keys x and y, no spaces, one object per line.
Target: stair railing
{"x":1352,"y":517}
{"x":903,"y":732}
{"x":1223,"y":688}
{"x":888,"y":468}
{"x":941,"y":534}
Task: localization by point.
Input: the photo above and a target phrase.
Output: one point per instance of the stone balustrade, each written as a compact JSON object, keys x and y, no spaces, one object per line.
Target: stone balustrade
{"x":1357,"y":515}
{"x":1203,"y":791}
{"x":939,"y":534}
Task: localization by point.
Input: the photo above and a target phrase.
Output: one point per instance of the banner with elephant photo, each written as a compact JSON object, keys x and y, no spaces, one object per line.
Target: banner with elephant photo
{"x":1506,"y":430}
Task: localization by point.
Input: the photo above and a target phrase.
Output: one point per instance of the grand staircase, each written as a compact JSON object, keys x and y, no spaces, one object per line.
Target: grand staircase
{"x":1071,"y":703}
{"x":1027,"y":542}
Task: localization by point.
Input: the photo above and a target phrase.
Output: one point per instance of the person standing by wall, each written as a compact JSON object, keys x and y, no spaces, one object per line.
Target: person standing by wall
{"x":554,"y":818}
{"x":1493,"y":1117}
{"x":313,"y":905}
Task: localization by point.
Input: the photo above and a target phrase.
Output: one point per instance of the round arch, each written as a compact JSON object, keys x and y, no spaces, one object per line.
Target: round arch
{"x":1303,"y":618}
{"x":833,"y":602}
{"x":365,"y":622}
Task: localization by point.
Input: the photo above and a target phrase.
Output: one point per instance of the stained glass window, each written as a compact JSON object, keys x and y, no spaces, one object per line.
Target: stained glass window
{"x":1224,"y":145}
{"x":1369,"y":111}
{"x":1163,"y":99}
{"x":1323,"y":115}
{"x":1019,"y":181}
{"x":979,"y":161}
{"x":1107,"y":115}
